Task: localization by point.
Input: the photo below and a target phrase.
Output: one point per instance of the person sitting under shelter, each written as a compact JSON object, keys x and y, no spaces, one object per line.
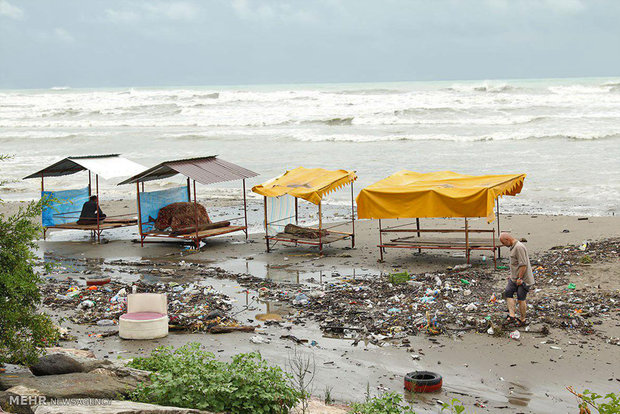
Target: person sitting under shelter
{"x":89,"y":212}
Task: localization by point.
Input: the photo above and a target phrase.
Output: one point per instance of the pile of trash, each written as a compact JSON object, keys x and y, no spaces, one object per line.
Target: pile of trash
{"x":191,"y":307}
{"x":395,"y":305}
{"x":462,"y":298}
{"x":399,"y":305}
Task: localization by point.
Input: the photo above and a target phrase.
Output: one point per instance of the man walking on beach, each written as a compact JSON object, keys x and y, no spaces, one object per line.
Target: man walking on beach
{"x":520,"y":280}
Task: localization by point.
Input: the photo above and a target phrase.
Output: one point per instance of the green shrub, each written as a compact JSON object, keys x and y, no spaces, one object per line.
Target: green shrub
{"x":388,"y":403}
{"x":455,"y":406}
{"x":590,"y":400}
{"x":24,"y":329}
{"x":192,"y":378}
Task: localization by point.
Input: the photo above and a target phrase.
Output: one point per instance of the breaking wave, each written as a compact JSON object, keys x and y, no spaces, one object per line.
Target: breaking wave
{"x":331,"y":122}
{"x":368,"y":92}
{"x":483,"y":87}
{"x":449,"y":137}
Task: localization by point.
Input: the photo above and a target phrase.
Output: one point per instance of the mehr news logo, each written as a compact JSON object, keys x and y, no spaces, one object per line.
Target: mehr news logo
{"x":35,"y":400}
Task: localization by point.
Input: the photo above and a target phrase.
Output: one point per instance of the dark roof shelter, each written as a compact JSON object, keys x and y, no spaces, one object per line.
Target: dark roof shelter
{"x":204,"y":170}
{"x":63,"y":207}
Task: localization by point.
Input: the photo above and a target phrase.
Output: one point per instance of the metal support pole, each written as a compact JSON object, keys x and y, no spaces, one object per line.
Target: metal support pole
{"x":380,"y":241}
{"x":499,"y":247}
{"x":467,"y":240}
{"x":140,"y":213}
{"x":417,"y":223}
{"x":494,"y":253}
{"x":320,"y":230}
{"x":89,"y":184}
{"x":189,"y":191}
{"x":245,"y":211}
{"x":352,"y":217}
{"x":196,"y":216}
{"x":266,"y":224}
{"x":296,"y":211}
{"x":43,"y":189}
{"x":98,"y":231}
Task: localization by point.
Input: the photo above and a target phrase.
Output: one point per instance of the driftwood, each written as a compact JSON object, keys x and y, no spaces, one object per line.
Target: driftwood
{"x":304,"y":232}
{"x":228,"y":329}
{"x":206,"y":226}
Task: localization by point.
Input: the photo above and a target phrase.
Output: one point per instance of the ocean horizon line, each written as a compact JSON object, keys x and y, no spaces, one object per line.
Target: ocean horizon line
{"x":60,"y":87}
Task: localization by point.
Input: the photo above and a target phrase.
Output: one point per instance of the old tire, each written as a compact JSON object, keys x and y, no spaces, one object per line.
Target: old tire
{"x":423,"y":381}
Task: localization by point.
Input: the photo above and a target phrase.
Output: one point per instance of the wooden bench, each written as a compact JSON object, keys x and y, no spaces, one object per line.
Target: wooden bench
{"x":95,"y":229}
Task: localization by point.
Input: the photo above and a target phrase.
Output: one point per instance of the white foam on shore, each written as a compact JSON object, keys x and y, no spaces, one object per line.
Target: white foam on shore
{"x":565,"y":134}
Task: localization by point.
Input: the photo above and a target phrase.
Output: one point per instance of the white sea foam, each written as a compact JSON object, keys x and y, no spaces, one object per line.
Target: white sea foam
{"x":545,"y":125}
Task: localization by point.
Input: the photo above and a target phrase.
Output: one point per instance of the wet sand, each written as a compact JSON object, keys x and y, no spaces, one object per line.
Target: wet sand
{"x":504,"y":375}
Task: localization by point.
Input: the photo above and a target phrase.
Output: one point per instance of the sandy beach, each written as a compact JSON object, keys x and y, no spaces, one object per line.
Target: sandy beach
{"x":496,"y":374}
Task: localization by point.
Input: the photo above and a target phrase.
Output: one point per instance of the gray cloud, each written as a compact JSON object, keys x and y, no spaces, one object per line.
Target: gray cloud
{"x":10,"y":11}
{"x":190,"y":42}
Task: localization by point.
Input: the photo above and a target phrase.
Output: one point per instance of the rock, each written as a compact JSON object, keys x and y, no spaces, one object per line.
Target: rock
{"x":116,"y":407}
{"x":78,"y":353}
{"x":67,"y":360}
{"x":74,"y":385}
{"x":127,"y":374}
{"x":56,"y":364}
{"x":7,"y":400}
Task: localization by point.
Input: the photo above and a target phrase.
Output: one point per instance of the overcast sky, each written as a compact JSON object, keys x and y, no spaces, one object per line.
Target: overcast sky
{"x":103,"y":43}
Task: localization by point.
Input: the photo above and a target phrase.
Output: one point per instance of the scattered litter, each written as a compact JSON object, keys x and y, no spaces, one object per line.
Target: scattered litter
{"x":471,"y":307}
{"x":259,"y":340}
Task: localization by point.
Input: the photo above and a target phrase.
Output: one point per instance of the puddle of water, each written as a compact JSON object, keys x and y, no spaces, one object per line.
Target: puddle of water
{"x":518,"y":394}
{"x":290,"y":274}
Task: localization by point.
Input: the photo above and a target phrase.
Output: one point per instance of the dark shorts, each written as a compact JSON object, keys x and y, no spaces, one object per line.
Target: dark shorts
{"x":521,"y":290}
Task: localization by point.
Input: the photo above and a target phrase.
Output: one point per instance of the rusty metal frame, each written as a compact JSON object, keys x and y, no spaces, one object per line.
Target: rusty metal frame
{"x":197,"y":238}
{"x":320,"y":243}
{"x":494,"y":247}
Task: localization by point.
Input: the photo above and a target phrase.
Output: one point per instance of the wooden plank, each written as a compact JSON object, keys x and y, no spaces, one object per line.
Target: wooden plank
{"x":462,"y":245}
{"x":443,"y":247}
{"x":443,"y":239}
{"x":102,"y":226}
{"x":329,"y":238}
{"x":392,"y":230}
{"x":209,"y":233}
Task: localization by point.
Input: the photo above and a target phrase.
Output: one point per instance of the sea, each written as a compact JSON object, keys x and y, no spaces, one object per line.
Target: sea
{"x":563,"y":133}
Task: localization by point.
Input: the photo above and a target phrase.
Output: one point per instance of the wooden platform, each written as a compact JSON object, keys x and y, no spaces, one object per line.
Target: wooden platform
{"x":105,"y":225}
{"x":474,"y":243}
{"x":202,"y":234}
{"x":294,"y":238}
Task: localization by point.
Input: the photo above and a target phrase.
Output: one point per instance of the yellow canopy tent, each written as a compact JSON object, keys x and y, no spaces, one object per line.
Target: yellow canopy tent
{"x":408,"y":194}
{"x":310,"y":184}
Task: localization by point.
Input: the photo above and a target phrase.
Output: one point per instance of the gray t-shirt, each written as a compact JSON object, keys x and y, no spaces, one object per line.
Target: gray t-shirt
{"x":518,"y":258}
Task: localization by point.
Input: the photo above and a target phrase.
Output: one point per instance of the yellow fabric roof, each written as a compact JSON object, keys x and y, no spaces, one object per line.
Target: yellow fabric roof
{"x":308,"y":183}
{"x":409,"y":194}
